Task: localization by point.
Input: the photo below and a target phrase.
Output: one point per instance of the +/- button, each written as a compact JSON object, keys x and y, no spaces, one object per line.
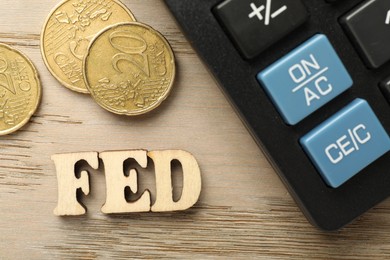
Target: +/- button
{"x":346,"y":143}
{"x":254,"y":25}
{"x":306,"y":79}
{"x":368,"y":26}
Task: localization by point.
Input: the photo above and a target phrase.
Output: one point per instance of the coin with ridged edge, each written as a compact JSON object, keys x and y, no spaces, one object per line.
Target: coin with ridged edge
{"x":129,"y":69}
{"x":20,"y":89}
{"x":68,"y":31}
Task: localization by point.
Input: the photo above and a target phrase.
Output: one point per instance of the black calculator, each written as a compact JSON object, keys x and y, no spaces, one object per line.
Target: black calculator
{"x":311,"y":81}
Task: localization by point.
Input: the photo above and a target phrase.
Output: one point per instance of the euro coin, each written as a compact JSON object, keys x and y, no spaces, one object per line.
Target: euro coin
{"x":68,"y":31}
{"x":20,"y":90}
{"x":129,"y":69}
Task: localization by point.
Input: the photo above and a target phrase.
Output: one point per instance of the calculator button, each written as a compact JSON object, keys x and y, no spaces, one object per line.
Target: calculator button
{"x":385,"y":88}
{"x":306,"y":79}
{"x":346,"y":143}
{"x":254,"y":25}
{"x":368,"y":26}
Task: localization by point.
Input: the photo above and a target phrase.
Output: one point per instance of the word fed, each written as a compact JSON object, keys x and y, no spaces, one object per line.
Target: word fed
{"x":117,"y":181}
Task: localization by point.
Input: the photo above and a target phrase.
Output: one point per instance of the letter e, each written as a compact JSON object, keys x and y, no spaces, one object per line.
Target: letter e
{"x":116,"y":182}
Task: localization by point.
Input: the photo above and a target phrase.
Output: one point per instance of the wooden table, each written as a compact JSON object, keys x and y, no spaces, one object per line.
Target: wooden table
{"x":244,"y":210}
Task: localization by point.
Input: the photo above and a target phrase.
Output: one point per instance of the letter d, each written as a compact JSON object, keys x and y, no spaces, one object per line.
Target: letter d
{"x":191,"y":180}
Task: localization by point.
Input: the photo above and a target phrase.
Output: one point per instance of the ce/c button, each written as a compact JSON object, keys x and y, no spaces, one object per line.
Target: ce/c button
{"x":346,"y":143}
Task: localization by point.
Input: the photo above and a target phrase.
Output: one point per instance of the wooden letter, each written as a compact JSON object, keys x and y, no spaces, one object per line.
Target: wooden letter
{"x":116,"y":182}
{"x":191,"y":180}
{"x":68,"y":184}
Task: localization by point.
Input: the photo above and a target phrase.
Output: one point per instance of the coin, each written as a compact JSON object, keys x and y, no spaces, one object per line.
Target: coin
{"x":68,"y":32}
{"x":20,"y":89}
{"x":129,"y":69}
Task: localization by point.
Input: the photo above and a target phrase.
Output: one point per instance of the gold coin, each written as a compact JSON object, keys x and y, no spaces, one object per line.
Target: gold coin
{"x":68,"y":31}
{"x":129,"y":69}
{"x":20,"y":89}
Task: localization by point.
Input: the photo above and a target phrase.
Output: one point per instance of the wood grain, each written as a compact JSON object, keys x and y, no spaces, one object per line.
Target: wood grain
{"x":243,"y":212}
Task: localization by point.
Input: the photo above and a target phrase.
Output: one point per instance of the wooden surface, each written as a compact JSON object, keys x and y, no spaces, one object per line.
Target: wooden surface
{"x":244,"y":210}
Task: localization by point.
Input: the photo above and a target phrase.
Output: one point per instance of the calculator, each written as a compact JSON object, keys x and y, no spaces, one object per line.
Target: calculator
{"x":311,"y":81}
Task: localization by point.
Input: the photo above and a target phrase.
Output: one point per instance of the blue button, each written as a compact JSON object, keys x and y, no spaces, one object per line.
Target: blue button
{"x":306,"y":79}
{"x":346,"y":143}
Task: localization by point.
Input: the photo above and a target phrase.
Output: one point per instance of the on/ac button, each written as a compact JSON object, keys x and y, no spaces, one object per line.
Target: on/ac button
{"x":306,"y":79}
{"x":346,"y":143}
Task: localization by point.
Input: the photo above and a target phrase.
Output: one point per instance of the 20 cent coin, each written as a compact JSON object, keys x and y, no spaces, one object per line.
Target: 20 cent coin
{"x":68,"y":31}
{"x":20,"y":90}
{"x":129,"y":69}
